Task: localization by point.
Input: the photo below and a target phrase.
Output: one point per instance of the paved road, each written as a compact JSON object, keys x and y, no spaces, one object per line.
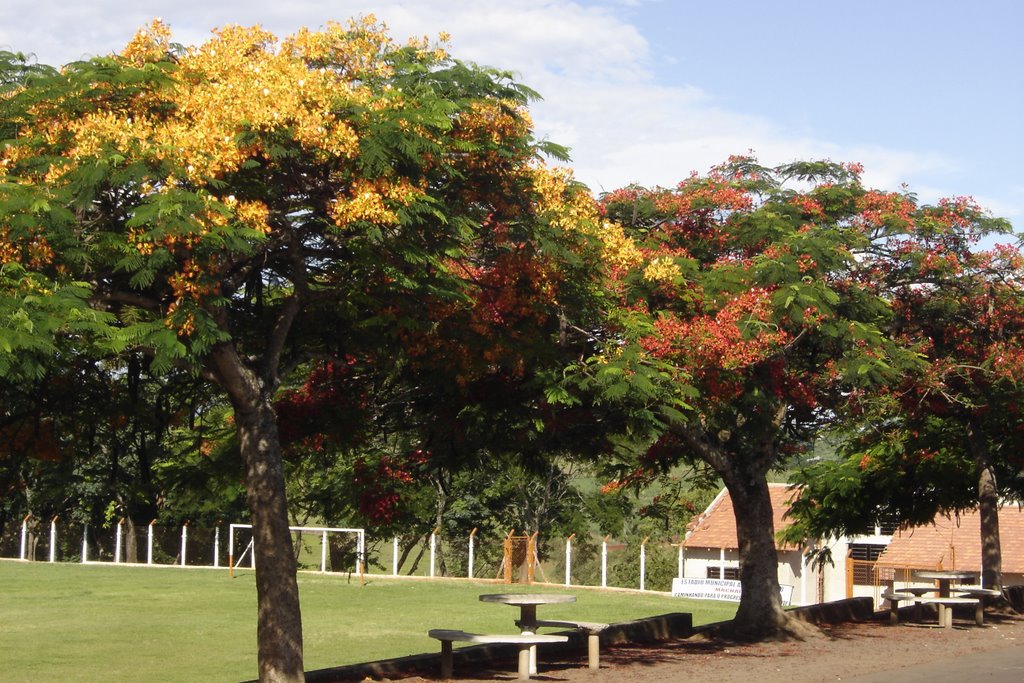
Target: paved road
{"x":999,"y":666}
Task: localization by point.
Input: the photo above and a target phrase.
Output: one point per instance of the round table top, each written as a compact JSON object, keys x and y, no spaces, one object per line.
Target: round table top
{"x":946,"y":574}
{"x":527,"y":598}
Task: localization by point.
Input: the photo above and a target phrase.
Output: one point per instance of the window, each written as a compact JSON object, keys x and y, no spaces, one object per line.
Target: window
{"x":885,"y":527}
{"x":731,"y":573}
{"x":888,"y":528}
{"x":863,"y":556}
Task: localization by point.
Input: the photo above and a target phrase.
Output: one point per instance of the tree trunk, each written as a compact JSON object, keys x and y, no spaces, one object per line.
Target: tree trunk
{"x":131,"y":543}
{"x":279,"y":623}
{"x":759,"y":615}
{"x":419,"y":555}
{"x":988,"y":512}
{"x":439,"y":509}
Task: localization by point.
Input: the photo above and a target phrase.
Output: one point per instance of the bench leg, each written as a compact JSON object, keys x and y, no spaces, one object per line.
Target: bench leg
{"x":446,"y":659}
{"x":894,"y":613}
{"x":594,"y":651}
{"x":524,"y":661}
{"x":945,"y":616}
{"x":979,"y":613}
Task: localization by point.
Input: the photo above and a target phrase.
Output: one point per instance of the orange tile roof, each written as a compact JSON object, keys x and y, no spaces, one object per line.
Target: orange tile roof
{"x":955,"y":543}
{"x":716,"y":526}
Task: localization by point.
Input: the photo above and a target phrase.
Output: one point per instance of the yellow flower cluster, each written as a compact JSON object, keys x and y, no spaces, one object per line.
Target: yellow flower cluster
{"x":498,"y":120}
{"x":35,"y":251}
{"x":355,"y":49}
{"x":564,"y":208}
{"x":368,"y":201}
{"x":572,"y":209}
{"x":255,"y":215}
{"x":235,"y":85}
{"x":150,"y":44}
{"x":9,"y":251}
{"x":662,"y":269}
{"x":620,"y":251}
{"x":141,"y":241}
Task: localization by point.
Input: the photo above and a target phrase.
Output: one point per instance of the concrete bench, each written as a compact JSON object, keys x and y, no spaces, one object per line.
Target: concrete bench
{"x":981,"y":594}
{"x":946,"y":606}
{"x":591,"y":628}
{"x":895,"y":598}
{"x":523,"y":640}
{"x":977,"y":592}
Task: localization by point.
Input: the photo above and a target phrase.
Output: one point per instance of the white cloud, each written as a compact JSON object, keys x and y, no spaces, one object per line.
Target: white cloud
{"x":590,"y":64}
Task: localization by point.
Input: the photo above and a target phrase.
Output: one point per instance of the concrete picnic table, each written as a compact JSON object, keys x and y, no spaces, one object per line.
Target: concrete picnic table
{"x":527,"y":603}
{"x":945,"y":578}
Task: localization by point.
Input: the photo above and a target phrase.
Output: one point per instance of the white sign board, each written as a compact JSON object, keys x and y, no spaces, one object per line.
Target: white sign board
{"x":717,"y":589}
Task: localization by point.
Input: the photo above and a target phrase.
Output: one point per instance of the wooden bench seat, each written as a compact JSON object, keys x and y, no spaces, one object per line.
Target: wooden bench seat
{"x":523,"y":640}
{"x":591,"y":628}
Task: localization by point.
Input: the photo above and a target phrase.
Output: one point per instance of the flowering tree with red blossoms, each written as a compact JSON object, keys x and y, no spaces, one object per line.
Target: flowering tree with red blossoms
{"x":910,"y":449}
{"x":745,"y":311}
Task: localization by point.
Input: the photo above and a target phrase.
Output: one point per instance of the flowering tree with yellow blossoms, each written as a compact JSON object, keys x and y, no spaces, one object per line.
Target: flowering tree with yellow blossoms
{"x":246,"y":206}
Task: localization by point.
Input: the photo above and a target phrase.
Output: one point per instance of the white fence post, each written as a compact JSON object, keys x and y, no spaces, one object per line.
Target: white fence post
{"x":472,"y":543}
{"x":231,"y":550}
{"x":394,"y":556}
{"x":433,"y":550}
{"x":149,"y":542}
{"x":85,"y":543}
{"x":184,"y":542}
{"x":216,"y":547}
{"x":323,"y":553}
{"x":604,"y":562}
{"x":679,"y":561}
{"x":117,"y":542}
{"x":643,"y":563}
{"x":24,"y":538}
{"x":361,"y":553}
{"x":568,"y":560}
{"x":53,"y":539}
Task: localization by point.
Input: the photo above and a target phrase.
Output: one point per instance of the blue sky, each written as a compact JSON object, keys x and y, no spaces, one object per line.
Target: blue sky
{"x":923,"y":92}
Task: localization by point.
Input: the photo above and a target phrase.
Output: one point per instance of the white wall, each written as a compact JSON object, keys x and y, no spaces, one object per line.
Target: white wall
{"x":792,"y":572}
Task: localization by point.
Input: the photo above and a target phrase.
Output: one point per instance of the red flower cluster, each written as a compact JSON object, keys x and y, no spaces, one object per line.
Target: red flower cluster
{"x":380,"y":484}
{"x":738,"y":335}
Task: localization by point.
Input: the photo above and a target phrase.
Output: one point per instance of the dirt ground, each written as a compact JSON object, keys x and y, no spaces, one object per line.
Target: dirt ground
{"x":842,"y":652}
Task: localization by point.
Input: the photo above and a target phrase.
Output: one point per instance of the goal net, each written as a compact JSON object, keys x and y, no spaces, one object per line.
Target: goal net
{"x":317,"y":548}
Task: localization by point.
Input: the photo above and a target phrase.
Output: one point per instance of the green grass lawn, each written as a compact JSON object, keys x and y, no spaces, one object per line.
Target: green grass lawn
{"x":100,"y":623}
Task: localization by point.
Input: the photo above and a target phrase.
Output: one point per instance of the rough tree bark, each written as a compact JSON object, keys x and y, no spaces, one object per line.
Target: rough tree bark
{"x":279,"y":621}
{"x":440,"y":507}
{"x":988,"y":512}
{"x":760,"y":615}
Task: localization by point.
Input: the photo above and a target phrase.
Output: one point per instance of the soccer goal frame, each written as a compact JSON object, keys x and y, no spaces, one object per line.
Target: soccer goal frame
{"x":322,"y":530}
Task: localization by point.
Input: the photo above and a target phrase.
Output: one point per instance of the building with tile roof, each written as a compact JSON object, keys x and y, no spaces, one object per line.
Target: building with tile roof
{"x":716,"y":526}
{"x":711,"y":550}
{"x":954,"y":542}
{"x":862,"y":565}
